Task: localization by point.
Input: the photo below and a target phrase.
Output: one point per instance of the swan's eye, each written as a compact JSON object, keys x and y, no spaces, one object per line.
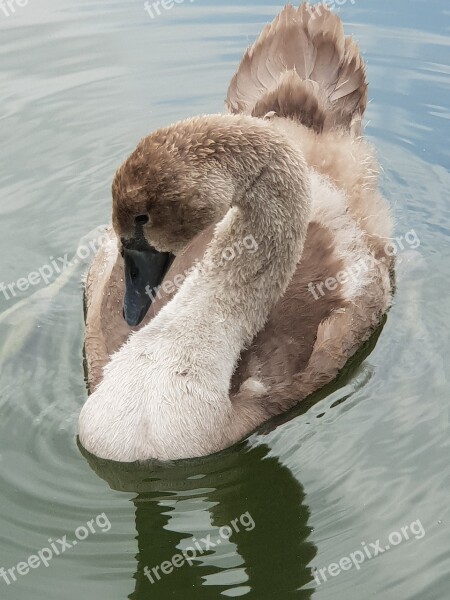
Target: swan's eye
{"x":141,"y":219}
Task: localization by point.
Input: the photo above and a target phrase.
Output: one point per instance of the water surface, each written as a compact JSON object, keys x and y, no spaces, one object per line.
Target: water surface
{"x":81,"y":83}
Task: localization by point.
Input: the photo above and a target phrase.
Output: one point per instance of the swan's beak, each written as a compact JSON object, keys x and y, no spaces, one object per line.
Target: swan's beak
{"x":145,"y":269}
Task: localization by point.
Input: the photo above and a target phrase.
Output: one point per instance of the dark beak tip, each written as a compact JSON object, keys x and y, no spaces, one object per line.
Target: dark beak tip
{"x":144,"y":269}
{"x":131,"y":319}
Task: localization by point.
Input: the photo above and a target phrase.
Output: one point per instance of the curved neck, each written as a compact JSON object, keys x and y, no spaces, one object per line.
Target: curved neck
{"x":254,"y":252}
{"x":258,"y":244}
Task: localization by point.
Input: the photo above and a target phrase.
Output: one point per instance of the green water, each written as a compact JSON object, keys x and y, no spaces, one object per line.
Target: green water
{"x":81,"y":83}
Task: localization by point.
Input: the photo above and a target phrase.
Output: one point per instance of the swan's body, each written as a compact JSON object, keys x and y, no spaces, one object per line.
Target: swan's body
{"x":246,"y":338}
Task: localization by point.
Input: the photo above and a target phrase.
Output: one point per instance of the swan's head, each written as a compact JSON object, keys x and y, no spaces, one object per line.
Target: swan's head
{"x":169,"y":189}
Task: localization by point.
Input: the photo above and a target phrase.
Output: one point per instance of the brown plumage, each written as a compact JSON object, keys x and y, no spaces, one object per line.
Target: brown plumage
{"x":304,"y":81}
{"x":302,"y":67}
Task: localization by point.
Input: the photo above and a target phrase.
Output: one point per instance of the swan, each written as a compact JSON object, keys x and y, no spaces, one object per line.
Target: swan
{"x":280,"y":238}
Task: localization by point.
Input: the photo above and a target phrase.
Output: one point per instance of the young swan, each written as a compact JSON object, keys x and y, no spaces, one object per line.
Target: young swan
{"x":165,"y":394}
{"x":179,"y":388}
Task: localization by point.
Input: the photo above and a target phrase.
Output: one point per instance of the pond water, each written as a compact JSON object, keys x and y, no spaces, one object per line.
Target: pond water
{"x":363,"y":466}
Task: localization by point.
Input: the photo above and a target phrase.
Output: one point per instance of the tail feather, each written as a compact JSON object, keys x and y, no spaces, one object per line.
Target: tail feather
{"x":302,"y":67}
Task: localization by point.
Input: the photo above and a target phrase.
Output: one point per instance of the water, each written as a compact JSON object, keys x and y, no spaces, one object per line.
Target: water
{"x":81,"y":83}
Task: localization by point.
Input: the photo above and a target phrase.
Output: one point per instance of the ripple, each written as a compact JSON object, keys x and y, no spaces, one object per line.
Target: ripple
{"x":368,"y":455}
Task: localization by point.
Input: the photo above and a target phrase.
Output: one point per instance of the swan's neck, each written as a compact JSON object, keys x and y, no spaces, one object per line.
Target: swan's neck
{"x":250,"y":261}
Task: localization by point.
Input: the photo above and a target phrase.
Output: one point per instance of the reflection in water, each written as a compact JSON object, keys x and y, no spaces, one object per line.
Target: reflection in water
{"x":195,"y":499}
